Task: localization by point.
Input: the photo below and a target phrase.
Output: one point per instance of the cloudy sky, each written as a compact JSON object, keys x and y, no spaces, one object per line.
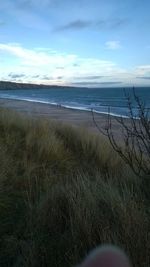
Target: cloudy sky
{"x":75,"y":42}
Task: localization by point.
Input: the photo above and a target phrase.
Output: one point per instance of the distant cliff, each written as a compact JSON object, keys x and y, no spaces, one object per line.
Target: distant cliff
{"x":26,"y":86}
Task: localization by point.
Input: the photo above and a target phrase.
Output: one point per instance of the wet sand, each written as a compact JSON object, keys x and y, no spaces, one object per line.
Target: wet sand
{"x":60,"y":114}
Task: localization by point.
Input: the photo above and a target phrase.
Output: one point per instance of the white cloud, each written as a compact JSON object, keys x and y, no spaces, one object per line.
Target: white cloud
{"x":141,"y":71}
{"x":36,"y":58}
{"x":45,"y":62}
{"x":113,"y":45}
{"x":54,"y":64}
{"x":144,"y":67}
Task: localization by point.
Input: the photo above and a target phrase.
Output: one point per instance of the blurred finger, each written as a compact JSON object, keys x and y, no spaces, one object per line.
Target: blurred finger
{"x":106,"y":256}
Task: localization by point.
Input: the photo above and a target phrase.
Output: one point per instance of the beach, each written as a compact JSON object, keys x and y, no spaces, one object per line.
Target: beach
{"x":57,"y":175}
{"x":58,"y":113}
{"x":64,"y":189}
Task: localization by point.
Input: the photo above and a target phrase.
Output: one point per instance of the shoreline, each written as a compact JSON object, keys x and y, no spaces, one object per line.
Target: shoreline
{"x":68,"y":106}
{"x":74,"y":117}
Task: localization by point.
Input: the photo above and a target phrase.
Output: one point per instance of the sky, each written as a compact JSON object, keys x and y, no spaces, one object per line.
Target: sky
{"x":98,"y":43}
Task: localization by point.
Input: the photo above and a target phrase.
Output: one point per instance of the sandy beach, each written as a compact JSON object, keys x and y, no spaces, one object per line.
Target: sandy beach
{"x":74,"y":117}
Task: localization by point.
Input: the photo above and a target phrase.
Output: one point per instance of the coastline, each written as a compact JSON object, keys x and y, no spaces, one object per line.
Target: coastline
{"x":74,"y":117}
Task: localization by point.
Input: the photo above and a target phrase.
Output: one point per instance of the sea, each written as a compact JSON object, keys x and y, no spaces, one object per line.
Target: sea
{"x":100,"y":100}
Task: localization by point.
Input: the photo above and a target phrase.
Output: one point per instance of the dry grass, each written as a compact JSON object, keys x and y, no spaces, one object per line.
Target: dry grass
{"x":63,"y":191}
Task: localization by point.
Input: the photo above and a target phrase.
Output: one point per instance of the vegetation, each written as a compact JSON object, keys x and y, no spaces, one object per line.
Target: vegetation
{"x":4,"y":85}
{"x":64,"y":191}
{"x":134,"y":147}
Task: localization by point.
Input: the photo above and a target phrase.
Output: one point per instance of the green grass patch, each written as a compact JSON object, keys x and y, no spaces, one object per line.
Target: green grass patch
{"x":63,"y":191}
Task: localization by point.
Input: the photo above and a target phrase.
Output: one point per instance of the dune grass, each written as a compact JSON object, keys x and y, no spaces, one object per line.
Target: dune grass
{"x":63,"y":191}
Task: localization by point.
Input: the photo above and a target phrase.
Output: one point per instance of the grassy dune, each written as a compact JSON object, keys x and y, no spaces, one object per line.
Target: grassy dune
{"x":64,"y":191}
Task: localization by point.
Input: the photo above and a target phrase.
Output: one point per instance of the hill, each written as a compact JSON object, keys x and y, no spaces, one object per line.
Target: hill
{"x":17,"y":86}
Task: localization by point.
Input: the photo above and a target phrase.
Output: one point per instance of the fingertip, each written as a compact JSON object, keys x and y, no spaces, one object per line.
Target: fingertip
{"x":106,"y":256}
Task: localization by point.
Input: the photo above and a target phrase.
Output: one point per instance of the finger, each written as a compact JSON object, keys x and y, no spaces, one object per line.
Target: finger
{"x":106,"y":256}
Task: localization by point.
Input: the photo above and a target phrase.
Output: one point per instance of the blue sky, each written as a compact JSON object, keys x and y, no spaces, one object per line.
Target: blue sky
{"x":75,"y":42}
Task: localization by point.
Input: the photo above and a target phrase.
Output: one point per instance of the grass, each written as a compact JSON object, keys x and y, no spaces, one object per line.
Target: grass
{"x":64,"y":191}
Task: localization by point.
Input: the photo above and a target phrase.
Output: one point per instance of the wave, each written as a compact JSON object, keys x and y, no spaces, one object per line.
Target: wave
{"x":68,"y":106}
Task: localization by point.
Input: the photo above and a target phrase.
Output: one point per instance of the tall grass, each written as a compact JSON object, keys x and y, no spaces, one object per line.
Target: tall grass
{"x":64,"y":191}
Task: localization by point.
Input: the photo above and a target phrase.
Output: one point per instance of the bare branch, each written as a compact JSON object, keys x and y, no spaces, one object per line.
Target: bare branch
{"x":135,"y":147}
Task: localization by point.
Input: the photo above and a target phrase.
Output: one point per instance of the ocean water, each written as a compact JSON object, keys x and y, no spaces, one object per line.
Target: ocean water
{"x":100,"y":100}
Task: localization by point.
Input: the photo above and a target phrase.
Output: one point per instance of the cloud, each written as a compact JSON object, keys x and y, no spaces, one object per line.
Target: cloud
{"x":142,"y":72}
{"x":45,"y":66}
{"x":103,"y":24}
{"x":93,"y":77}
{"x":75,"y":65}
{"x":45,"y":77}
{"x":42,"y":77}
{"x":32,"y":57}
{"x":75,"y":25}
{"x":48,"y":78}
{"x":15,"y":75}
{"x":96,"y":84}
{"x":85,"y":83}
{"x":144,"y":77}
{"x":110,"y":24}
{"x":35,"y":76}
{"x":117,"y":22}
{"x":113,"y":45}
{"x":144,"y":67}
{"x":60,"y":68}
{"x":110,"y":83}
{"x":59,"y":61}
